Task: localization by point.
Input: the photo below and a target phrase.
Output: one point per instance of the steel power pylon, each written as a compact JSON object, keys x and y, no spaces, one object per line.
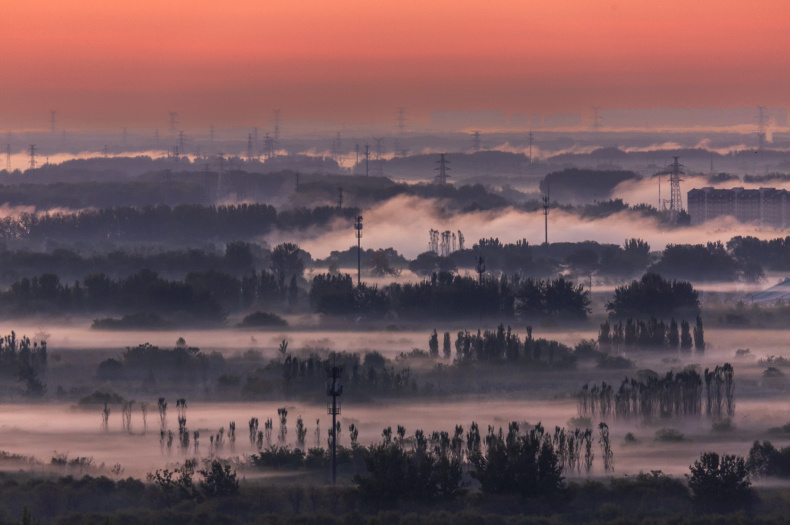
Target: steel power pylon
{"x":334,"y":389}
{"x":441,"y":178}
{"x":546,"y":204}
{"x":675,"y":170}
{"x":32,"y":156}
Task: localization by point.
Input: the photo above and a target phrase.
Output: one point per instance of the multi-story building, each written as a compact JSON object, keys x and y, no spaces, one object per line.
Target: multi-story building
{"x":768,"y":206}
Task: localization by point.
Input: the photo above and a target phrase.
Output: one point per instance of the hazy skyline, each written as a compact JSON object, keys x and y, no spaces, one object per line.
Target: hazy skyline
{"x":102,"y":64}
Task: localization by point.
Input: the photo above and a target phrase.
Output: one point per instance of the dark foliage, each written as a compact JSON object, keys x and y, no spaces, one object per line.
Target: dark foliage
{"x":654,"y":296}
{"x":720,"y":483}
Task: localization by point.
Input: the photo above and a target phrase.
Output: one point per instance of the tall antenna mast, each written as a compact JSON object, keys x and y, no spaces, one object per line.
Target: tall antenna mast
{"x":441,"y":178}
{"x":32,"y":156}
{"x":475,"y":141}
{"x":358,"y":228}
{"x":334,"y":389}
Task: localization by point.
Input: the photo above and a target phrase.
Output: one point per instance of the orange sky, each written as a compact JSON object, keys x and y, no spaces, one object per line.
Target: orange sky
{"x":126,"y":63}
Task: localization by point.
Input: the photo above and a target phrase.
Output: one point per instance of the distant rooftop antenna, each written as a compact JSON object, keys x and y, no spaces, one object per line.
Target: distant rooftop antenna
{"x":596,"y":125}
{"x":173,"y":121}
{"x":52,"y":114}
{"x":32,"y":156}
{"x":441,"y":178}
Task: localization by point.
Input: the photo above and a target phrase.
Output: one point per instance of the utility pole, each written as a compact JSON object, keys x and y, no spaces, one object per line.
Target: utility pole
{"x":358,"y":228}
{"x":334,"y":389}
{"x":546,"y":215}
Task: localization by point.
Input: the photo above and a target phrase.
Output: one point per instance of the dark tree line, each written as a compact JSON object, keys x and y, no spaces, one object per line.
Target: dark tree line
{"x":447,"y":295}
{"x":650,"y":335}
{"x":672,"y":395}
{"x":163,"y":223}
{"x":25,"y":361}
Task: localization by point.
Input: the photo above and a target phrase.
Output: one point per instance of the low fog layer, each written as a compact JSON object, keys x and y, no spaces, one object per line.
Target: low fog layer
{"x":403,"y":223}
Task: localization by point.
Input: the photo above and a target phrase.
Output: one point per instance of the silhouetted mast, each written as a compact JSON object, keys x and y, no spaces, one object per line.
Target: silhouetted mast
{"x":441,"y":178}
{"x":676,"y":201}
{"x":401,"y":120}
{"x":334,"y":389}
{"x":367,"y":160}
{"x":276,"y":127}
{"x":32,"y":156}
{"x":358,"y":228}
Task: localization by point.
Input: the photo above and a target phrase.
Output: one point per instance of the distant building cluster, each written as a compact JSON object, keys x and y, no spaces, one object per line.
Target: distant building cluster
{"x":768,"y":206}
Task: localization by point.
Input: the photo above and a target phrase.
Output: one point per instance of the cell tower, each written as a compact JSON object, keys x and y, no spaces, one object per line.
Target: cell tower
{"x":480,"y":268}
{"x":441,"y":178}
{"x":761,"y":131}
{"x":401,"y":120}
{"x":52,"y":114}
{"x":596,"y":125}
{"x":173,"y":121}
{"x":32,"y":156}
{"x":334,"y":389}
{"x":475,"y":142}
